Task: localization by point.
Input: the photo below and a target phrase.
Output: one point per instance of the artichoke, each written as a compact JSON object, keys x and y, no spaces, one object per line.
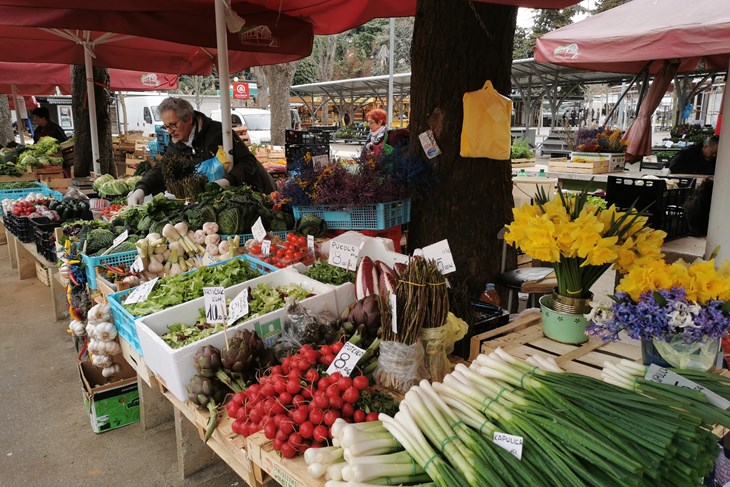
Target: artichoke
{"x":366,"y":312}
{"x":245,"y":354}
{"x":207,"y":361}
{"x":207,"y":393}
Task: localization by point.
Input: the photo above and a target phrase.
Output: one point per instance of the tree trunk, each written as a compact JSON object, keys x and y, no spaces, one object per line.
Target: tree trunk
{"x":82,"y":134}
{"x":262,"y":86}
{"x":473,"y":197}
{"x":279,"y":78}
{"x":6,"y":123}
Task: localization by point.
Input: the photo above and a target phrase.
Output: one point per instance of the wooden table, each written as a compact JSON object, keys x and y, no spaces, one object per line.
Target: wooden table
{"x":523,"y":338}
{"x":25,"y":258}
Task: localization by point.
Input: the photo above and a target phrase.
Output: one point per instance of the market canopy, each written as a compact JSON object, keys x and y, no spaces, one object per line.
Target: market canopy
{"x":625,"y":38}
{"x":42,"y":79}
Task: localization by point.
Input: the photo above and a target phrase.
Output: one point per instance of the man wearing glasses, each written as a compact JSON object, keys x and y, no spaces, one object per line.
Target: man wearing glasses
{"x":197,"y":136}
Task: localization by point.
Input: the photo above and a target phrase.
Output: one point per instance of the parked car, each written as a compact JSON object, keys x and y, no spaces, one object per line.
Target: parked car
{"x":252,"y":121}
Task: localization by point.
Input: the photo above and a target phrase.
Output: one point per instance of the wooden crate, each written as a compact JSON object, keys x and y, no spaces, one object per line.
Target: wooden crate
{"x":525,"y":337}
{"x":590,"y":167}
{"x":48,"y":172}
{"x":43,"y":273}
{"x":616,"y":162}
{"x":521,"y":163}
{"x":59,"y":184}
{"x":21,"y":178}
{"x":289,"y":472}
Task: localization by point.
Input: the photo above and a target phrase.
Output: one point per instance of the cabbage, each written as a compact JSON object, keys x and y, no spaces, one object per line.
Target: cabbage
{"x":132,"y":182}
{"x":28,"y":160}
{"x":55,"y":160}
{"x":46,"y":145}
{"x":116,"y":187}
{"x":98,"y":182}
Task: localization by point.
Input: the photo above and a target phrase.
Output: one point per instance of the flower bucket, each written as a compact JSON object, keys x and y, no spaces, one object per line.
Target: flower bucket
{"x":561,"y":326}
{"x":696,"y":356}
{"x":650,"y":355}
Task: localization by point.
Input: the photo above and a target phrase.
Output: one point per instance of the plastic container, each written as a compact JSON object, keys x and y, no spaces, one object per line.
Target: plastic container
{"x":490,"y":295}
{"x":375,"y":216}
{"x":525,"y":188}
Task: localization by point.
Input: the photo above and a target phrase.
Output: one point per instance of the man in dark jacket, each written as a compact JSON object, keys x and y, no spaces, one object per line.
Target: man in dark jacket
{"x":696,"y":159}
{"x":46,"y":126}
{"x":195,"y":135}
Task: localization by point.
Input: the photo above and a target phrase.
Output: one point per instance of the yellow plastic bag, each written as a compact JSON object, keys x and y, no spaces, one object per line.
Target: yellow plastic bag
{"x":485,"y":131}
{"x":438,"y":343}
{"x":223,"y":158}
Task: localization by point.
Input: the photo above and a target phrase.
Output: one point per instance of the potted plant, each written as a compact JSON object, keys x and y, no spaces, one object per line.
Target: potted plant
{"x":598,"y":144}
{"x":679,"y":310}
{"x":581,"y":241}
{"x":521,"y":151}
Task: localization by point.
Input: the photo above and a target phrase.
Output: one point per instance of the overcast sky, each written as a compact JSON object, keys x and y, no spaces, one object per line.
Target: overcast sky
{"x":524,"y":15}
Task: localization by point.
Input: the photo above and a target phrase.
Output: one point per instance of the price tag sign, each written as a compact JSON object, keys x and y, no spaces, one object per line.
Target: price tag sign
{"x":511,"y":443}
{"x":664,"y":376}
{"x":215,"y":304}
{"x":310,"y":243}
{"x":346,"y":360}
{"x":238,"y":307}
{"x":320,"y":161}
{"x":258,"y":230}
{"x":266,"y":247}
{"x":441,"y":253}
{"x":343,"y":255}
{"x":209,"y":259}
{"x":141,"y":292}
{"x":428,"y":142}
{"x":137,"y":265}
{"x":122,"y":237}
{"x":394,"y":312}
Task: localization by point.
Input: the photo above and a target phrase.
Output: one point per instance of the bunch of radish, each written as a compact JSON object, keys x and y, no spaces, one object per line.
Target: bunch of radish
{"x":296,"y":403}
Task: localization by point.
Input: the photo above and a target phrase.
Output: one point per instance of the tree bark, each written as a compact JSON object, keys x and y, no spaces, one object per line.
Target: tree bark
{"x":82,"y":134}
{"x":279,"y":78}
{"x":6,"y":123}
{"x":262,"y":87}
{"x":472,"y":200}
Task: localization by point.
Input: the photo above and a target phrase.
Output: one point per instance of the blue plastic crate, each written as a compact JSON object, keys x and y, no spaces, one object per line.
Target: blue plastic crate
{"x":260,"y":265}
{"x":163,"y":138}
{"x":376,"y":216}
{"x":245,"y":237}
{"x":14,"y":194}
{"x":123,"y":319}
{"x":91,"y":263}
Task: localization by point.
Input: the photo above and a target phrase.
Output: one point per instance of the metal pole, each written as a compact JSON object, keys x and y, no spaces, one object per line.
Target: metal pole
{"x":390,"y":72}
{"x":224,"y":75}
{"x":91,"y":95}
{"x":718,"y":229}
{"x":21,"y":124}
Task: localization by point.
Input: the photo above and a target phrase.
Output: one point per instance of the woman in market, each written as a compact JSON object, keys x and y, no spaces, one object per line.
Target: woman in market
{"x":196,"y":135}
{"x":45,"y":126}
{"x":377,"y":137}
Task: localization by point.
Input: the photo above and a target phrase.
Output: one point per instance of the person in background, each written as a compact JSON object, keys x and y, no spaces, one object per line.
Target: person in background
{"x":696,"y":159}
{"x":196,"y":135}
{"x":45,"y":127}
{"x":376,"y":119}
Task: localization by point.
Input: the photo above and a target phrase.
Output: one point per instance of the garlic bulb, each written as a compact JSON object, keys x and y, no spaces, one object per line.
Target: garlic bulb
{"x":110,"y":370}
{"x":77,"y":328}
{"x":99,"y":313}
{"x":101,"y":360}
{"x":105,"y":331}
{"x":110,"y":348}
{"x":90,"y":329}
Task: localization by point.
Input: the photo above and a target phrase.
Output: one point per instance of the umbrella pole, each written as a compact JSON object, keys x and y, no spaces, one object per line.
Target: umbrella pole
{"x":224,"y":75}
{"x":390,"y":72}
{"x":93,"y":129}
{"x":21,"y":124}
{"x":718,"y":230}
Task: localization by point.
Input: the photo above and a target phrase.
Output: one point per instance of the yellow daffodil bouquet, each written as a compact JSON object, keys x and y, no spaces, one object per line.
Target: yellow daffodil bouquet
{"x":581,"y":240}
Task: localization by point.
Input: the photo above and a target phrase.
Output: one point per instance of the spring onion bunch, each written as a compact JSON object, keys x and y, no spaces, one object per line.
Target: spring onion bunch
{"x":630,"y":375}
{"x":576,"y":430}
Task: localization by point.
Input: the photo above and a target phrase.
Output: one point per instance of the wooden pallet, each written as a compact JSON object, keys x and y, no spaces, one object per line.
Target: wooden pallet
{"x":288,"y":472}
{"x":590,"y":167}
{"x":521,"y":163}
{"x":525,"y":337}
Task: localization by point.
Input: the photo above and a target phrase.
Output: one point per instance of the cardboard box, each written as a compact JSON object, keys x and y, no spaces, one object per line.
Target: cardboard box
{"x":174,"y":367}
{"x":110,"y":405}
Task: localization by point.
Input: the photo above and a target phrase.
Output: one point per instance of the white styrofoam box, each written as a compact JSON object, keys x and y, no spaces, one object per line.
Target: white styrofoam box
{"x":376,"y":248}
{"x":175,"y":366}
{"x":345,"y":295}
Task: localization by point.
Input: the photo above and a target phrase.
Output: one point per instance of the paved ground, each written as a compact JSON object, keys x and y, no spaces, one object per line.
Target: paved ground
{"x":45,"y":435}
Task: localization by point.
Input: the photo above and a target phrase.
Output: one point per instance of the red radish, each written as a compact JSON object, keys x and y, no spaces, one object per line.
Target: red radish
{"x":351,"y":395}
{"x":330,"y":417}
{"x":371,"y":417}
{"x":344,"y":383}
{"x":316,"y":416}
{"x":286,"y":427}
{"x":321,"y":401}
{"x":293,"y":386}
{"x":285,"y":398}
{"x":323,"y":383}
{"x":320,"y":433}
{"x":306,"y":429}
{"x":299,"y":401}
{"x":327,"y":359}
{"x":232,"y":408}
{"x":333,"y":391}
{"x":348,"y":410}
{"x":279,"y":386}
{"x":295,"y":440}
{"x":360,"y":382}
{"x":300,"y":415}
{"x":336,"y":402}
{"x":287,"y":451}
{"x":308,"y":392}
{"x":312,"y":375}
{"x":359,"y":416}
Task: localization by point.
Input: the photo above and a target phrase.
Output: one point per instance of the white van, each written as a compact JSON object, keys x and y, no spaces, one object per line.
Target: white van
{"x":256,"y":120}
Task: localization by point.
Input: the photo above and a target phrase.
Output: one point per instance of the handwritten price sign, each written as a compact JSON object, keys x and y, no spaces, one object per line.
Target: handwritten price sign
{"x":346,"y":361}
{"x":238,"y":307}
{"x":215,"y":304}
{"x":141,"y":292}
{"x":441,"y":253}
{"x":343,"y":255}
